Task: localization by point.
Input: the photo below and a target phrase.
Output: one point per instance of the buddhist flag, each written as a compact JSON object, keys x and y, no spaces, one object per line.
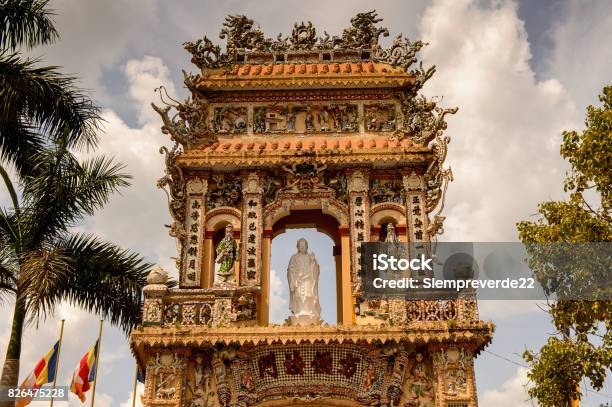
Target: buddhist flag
{"x":85,"y":373}
{"x":44,"y":372}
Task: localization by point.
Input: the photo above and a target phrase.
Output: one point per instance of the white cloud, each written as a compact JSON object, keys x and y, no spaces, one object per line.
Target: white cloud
{"x":95,"y":36}
{"x":278,"y":299}
{"x":139,"y":392}
{"x":579,"y":58}
{"x":144,"y":75}
{"x":135,"y":218}
{"x":505,"y":138}
{"x":512,"y":393}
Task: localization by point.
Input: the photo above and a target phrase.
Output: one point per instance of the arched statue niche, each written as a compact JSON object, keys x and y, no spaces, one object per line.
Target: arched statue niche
{"x":327,"y":216}
{"x":384,"y":213}
{"x":216,"y":222}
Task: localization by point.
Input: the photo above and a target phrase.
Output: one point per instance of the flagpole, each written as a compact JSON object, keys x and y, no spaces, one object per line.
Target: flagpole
{"x":59,"y":351}
{"x":135,"y":384}
{"x":93,"y":391}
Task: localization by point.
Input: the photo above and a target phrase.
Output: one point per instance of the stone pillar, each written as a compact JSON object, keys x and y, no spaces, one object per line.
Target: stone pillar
{"x":346,"y":299}
{"x":337,"y":252}
{"x":154,"y":292}
{"x":252,"y":228}
{"x":416,"y":216}
{"x":263,"y":302}
{"x":208,"y":265}
{"x":194,"y":229}
{"x":359,"y":222}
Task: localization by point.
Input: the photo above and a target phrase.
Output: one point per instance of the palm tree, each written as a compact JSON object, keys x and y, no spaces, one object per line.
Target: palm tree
{"x":43,"y":119}
{"x":43,"y":262}
{"x":37,"y":104}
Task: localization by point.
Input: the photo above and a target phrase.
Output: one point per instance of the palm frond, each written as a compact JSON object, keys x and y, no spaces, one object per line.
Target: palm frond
{"x":18,"y":144}
{"x":40,"y":270}
{"x":44,"y":100}
{"x":8,"y":272}
{"x":26,"y":23}
{"x":102,"y":278}
{"x":62,"y":191}
{"x":9,"y":230}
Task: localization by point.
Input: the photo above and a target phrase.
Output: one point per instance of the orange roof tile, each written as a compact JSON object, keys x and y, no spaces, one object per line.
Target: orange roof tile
{"x":283,"y":75}
{"x":327,"y":149}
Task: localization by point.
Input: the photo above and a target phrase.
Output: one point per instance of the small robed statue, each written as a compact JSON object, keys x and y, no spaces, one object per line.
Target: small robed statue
{"x":227,"y":253}
{"x":303,"y":277}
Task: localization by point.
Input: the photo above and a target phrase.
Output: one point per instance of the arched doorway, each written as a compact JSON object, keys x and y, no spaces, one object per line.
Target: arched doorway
{"x":323,"y":235}
{"x":283,"y":247}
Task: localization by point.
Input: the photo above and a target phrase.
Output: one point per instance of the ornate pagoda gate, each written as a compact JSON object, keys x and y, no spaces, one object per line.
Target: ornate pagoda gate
{"x":328,"y":132}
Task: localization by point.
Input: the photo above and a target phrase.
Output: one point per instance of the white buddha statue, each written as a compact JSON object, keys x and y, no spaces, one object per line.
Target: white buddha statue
{"x":303,"y":277}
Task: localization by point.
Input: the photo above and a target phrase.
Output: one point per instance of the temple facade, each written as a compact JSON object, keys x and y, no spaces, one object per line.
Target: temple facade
{"x":302,"y":131}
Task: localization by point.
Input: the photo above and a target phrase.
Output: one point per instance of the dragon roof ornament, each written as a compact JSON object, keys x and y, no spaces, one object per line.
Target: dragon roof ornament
{"x":246,"y":42}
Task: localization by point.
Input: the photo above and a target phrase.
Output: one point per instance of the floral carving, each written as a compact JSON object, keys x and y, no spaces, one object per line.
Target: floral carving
{"x":224,"y":192}
{"x":386,"y":191}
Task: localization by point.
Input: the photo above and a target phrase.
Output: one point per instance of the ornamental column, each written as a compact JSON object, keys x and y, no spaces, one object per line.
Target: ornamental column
{"x":359,"y":224}
{"x":416,"y":216}
{"x":263,"y":301}
{"x":252,"y":228}
{"x":191,"y":270}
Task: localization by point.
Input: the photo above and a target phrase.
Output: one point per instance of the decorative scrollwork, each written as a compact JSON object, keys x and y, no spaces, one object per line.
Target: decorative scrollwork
{"x":363,"y":32}
{"x":423,"y":119}
{"x":189,"y":125}
{"x":205,"y":54}
{"x":303,"y":36}
{"x":401,"y":53}
{"x":173,"y":184}
{"x":224,"y":192}
{"x":305,"y":177}
{"x":241,"y":35}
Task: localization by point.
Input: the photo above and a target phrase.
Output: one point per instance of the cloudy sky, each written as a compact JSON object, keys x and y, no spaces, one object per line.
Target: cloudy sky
{"x":520,"y":72}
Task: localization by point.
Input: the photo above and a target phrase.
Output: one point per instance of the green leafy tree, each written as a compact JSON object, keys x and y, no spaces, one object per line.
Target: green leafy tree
{"x":582,"y":347}
{"x":38,"y":104}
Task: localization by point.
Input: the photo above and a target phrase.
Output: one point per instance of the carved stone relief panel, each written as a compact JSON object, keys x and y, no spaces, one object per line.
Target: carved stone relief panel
{"x":455,"y":373}
{"x":306,"y":118}
{"x":230,"y":120}
{"x":380,"y":117}
{"x":387,"y":190}
{"x":165,"y":373}
{"x":224,"y":190}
